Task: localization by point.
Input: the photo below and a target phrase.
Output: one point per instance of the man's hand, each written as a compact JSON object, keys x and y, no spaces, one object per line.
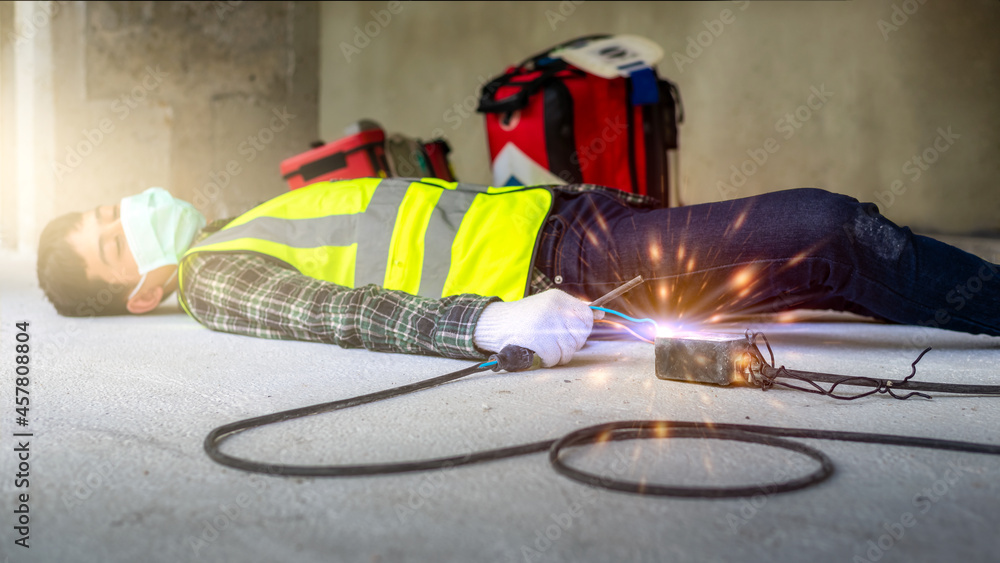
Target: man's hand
{"x":552,"y":324}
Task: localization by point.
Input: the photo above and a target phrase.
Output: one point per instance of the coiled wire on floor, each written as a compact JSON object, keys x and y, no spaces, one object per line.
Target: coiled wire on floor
{"x":513,"y":358}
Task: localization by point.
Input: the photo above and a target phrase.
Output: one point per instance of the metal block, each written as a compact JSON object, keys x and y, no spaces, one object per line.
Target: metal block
{"x":719,"y":359}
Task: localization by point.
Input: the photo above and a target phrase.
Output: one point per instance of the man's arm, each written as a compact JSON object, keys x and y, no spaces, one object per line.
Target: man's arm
{"x":253,"y":295}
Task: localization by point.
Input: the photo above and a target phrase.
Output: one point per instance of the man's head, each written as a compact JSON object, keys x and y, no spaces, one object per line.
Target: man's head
{"x":88,"y":266}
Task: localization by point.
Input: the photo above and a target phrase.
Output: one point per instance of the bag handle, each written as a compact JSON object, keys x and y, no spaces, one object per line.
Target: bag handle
{"x":519,"y":100}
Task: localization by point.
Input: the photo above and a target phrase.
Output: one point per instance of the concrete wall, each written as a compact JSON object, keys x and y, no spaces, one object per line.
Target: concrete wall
{"x":202,"y":98}
{"x":8,"y":222}
{"x":898,"y":73}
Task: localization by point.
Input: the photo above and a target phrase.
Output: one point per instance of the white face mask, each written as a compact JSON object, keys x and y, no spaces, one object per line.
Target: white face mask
{"x":158,"y":229}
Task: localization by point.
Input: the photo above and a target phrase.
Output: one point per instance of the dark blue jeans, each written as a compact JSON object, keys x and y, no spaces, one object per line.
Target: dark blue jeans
{"x":802,"y":248}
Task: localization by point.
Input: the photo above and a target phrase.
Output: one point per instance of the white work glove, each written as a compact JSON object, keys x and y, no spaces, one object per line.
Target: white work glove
{"x":552,"y":324}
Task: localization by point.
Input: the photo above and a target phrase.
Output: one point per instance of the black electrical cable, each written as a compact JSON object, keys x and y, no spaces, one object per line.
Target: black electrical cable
{"x":513,"y":358}
{"x":766,"y":375}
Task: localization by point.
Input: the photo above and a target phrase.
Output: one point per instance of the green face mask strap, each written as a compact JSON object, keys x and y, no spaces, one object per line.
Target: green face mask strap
{"x":142,"y":280}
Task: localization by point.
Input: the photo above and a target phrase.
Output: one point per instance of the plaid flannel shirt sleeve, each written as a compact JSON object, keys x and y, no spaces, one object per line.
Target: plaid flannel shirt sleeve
{"x":253,"y":295}
{"x":628,"y":198}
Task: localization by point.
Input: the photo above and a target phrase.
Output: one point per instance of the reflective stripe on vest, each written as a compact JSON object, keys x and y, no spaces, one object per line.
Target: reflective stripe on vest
{"x":426,"y":237}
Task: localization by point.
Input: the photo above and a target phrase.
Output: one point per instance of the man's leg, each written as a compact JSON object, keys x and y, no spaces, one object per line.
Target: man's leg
{"x":802,"y":248}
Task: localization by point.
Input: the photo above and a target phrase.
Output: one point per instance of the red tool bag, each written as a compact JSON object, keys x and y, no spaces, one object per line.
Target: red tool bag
{"x":364,"y":153}
{"x":548,"y":121}
{"x":361,"y":155}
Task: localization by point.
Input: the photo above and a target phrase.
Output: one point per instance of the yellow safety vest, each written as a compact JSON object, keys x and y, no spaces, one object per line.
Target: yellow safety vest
{"x":427,"y":237}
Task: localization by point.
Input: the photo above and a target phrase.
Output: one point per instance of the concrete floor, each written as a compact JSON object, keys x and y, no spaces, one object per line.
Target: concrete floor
{"x":120,"y":408}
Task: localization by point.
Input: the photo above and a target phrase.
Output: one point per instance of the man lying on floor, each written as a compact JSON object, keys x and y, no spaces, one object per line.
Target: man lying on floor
{"x":457,"y":270}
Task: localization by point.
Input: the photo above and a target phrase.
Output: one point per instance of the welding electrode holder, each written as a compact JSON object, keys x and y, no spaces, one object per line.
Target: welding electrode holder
{"x":515,"y":358}
{"x":512,"y":358}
